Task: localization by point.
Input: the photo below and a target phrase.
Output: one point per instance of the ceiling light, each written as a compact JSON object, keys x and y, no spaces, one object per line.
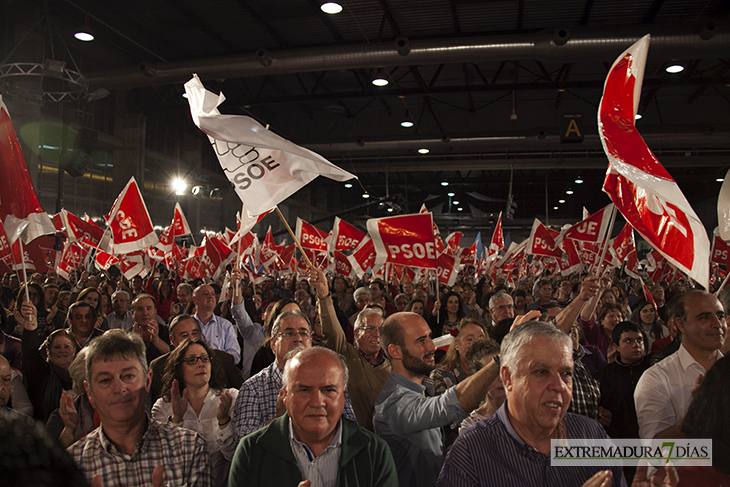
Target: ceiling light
{"x":578,"y":180}
{"x":365,"y":195}
{"x":348,"y":185}
{"x":561,"y":201}
{"x":638,"y":116}
{"x":570,"y":191}
{"x":424,"y":151}
{"x":390,"y":210}
{"x":185,"y":95}
{"x":460,"y":209}
{"x":380,"y":79}
{"x":407,"y":120}
{"x":443,"y":183}
{"x":450,"y":195}
{"x":455,"y":202}
{"x":179,"y":186}
{"x":675,"y":68}
{"x":84,"y":34}
{"x":331,"y":8}
{"x":555,"y":207}
{"x":720,"y":180}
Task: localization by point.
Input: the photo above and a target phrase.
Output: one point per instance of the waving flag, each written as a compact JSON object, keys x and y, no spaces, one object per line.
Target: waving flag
{"x":264,"y":168}
{"x":404,"y":239}
{"x":311,"y":237}
{"x":639,"y":186}
{"x":130,"y":221}
{"x":497,"y":242}
{"x":363,"y":257}
{"x":542,"y":241}
{"x":720,"y":252}
{"x":591,"y":229}
{"x":345,"y":236}
{"x":20,"y":210}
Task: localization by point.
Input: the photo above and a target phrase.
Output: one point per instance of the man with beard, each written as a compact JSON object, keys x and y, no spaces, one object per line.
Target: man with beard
{"x":260,"y":400}
{"x":406,"y":418}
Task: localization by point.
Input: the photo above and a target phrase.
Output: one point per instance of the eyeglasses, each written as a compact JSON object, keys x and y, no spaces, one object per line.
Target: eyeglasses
{"x":369,"y":329}
{"x":194,"y":360}
{"x":289,"y":334}
{"x":504,"y":307}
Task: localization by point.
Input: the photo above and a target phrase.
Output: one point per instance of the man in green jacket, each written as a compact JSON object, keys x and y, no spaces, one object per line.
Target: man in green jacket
{"x":312,"y":441}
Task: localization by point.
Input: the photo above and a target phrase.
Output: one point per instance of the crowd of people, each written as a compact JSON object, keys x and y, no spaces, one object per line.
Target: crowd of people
{"x":331,"y":380}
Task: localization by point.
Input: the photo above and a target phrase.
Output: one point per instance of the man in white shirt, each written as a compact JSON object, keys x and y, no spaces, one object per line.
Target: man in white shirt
{"x":664,"y":392}
{"x":218,"y":332}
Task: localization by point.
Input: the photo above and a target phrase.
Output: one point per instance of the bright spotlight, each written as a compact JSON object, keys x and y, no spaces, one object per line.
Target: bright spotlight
{"x":331,"y":8}
{"x":179,"y":186}
{"x":423,"y":151}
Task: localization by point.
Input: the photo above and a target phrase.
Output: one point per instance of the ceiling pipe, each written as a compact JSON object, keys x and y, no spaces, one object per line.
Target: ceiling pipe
{"x":579,"y":44}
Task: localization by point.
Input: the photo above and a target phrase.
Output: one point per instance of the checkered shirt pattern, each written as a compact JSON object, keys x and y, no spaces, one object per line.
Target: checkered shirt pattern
{"x":183,"y":454}
{"x":586,"y":391}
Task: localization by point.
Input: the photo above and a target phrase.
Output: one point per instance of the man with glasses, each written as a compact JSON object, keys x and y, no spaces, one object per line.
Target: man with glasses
{"x":218,"y":332}
{"x":260,"y":401}
{"x":565,"y":291}
{"x":501,"y":307}
{"x":369,"y":367}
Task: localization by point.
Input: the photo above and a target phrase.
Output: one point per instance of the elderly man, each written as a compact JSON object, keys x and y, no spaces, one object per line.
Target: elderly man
{"x":501,"y":307}
{"x":155,"y":336}
{"x":369,"y":367}
{"x":81,"y":318}
{"x":543,"y":295}
{"x":183,"y":327}
{"x":218,"y":332}
{"x":664,"y":392}
{"x":129,"y":449}
{"x":363,"y":297}
{"x":259,"y":401}
{"x":312,"y":441}
{"x":512,"y":447}
{"x":122,"y":317}
{"x":409,"y":421}
{"x":184,"y":296}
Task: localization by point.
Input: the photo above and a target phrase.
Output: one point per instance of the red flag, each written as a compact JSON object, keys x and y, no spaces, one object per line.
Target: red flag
{"x":542,"y":241}
{"x":311,"y":237}
{"x":345,"y":236}
{"x":76,"y":228}
{"x":105,"y":260}
{"x":404,"y":239}
{"x":166,"y":240}
{"x":4,"y":244}
{"x":446,"y":269}
{"x":570,"y":262}
{"x":216,"y":257}
{"x":623,"y":244}
{"x":363,"y":257}
{"x":640,"y":187}
{"x":497,"y":242}
{"x":179,"y":225}
{"x":647,"y":293}
{"x":342,"y":264}
{"x":720,"y":252}
{"x":135,"y":264}
{"x":591,"y":229}
{"x":453,"y":240}
{"x":130,"y":221}
{"x":632,"y":264}
{"x":73,"y":254}
{"x":20,"y":210}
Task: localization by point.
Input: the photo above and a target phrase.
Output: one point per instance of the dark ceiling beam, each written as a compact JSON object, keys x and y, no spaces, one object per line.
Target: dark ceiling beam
{"x":389,"y":15}
{"x":455,"y":16}
{"x":653,"y":11}
{"x":584,"y":43}
{"x":199,"y":24}
{"x":586,"y":12}
{"x":260,"y":20}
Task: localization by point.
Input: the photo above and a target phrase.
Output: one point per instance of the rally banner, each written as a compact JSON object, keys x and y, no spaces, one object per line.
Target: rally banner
{"x":20,"y":210}
{"x":720,"y":252}
{"x":76,"y":228}
{"x":623,"y":244}
{"x":130,"y":221}
{"x":345,"y":236}
{"x":497,"y":243}
{"x":311,"y":237}
{"x":452,"y":241}
{"x":542,"y":241}
{"x":264,"y":168}
{"x":103,"y":260}
{"x":363,"y":257}
{"x":642,"y":190}
{"x":343,"y":266}
{"x":404,"y":239}
{"x":591,"y":229}
{"x":446,"y":269}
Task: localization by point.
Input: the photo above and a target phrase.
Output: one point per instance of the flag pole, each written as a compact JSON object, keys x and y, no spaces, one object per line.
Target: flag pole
{"x":25,"y":274}
{"x":296,"y":240}
{"x":606,"y":239}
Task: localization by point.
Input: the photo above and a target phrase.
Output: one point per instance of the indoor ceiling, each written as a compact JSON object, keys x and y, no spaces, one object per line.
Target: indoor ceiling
{"x":487,"y":84}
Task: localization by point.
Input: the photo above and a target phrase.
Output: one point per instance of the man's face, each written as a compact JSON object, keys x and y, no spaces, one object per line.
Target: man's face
{"x":658,"y":294}
{"x":422,"y":295}
{"x":565,"y":288}
{"x":302,"y":297}
{"x":545,"y":293}
{"x":408,"y":288}
{"x":183,"y":330}
{"x":367,"y":336}
{"x":137,"y":284}
{"x":50,"y":295}
{"x":204,"y":298}
{"x":401,"y":304}
{"x":117,"y":388}
{"x":503,"y":309}
{"x":120,"y":303}
{"x":315,"y":397}
{"x":541,"y":388}
{"x":293,"y":333}
{"x":631,"y":347}
{"x":375,"y":291}
{"x":705,"y":327}
{"x":340,"y":285}
{"x":418,"y":354}
{"x":519,"y":303}
{"x":362,"y":301}
{"x":81,"y":321}
{"x":184,"y":295}
{"x":6,"y":379}
{"x":144,"y":312}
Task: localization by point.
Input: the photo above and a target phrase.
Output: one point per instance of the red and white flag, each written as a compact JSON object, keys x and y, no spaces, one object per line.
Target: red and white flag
{"x":130,"y":221}
{"x":446,"y":268}
{"x":342,"y":264}
{"x":591,"y":229}
{"x":264,"y":168}
{"x":542,"y":241}
{"x":179,"y":225}
{"x":363,"y":257}
{"x":136,"y":263}
{"x":632,"y":264}
{"x":216,"y":257}
{"x":20,"y":210}
{"x":345,"y":236}
{"x":720,"y":252}
{"x":622,"y":245}
{"x":104,"y":260}
{"x":5,"y":250}
{"x":639,"y":186}
{"x":497,"y":243}
{"x":404,"y":239}
{"x":452,"y":242}
{"x":311,"y":237}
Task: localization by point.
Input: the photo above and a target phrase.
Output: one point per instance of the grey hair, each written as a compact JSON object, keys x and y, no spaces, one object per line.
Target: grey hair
{"x":185,"y":285}
{"x":360,"y":291}
{"x":303,"y":354}
{"x":525,"y":333}
{"x":77,"y":371}
{"x":402,"y":296}
{"x":362,"y":314}
{"x":292,"y":312}
{"x":115,"y":343}
{"x":499,"y":297}
{"x":121,"y":291}
{"x":479,"y":349}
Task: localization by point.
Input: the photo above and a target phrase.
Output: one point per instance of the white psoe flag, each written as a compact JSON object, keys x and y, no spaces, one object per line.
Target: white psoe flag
{"x":264,"y":168}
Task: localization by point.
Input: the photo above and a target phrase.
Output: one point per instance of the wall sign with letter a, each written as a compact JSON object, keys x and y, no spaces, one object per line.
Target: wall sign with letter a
{"x":572,"y":128}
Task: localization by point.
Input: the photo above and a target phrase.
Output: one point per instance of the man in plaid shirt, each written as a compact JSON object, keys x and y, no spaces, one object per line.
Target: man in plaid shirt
{"x":129,"y":449}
